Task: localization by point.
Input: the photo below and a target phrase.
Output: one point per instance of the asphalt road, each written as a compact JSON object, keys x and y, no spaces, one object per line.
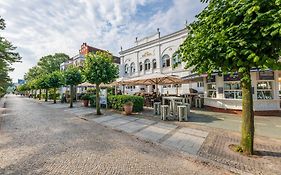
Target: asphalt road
{"x":36,"y":139}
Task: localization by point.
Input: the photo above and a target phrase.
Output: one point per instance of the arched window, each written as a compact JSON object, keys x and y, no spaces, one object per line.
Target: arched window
{"x":147,"y":64}
{"x":154,"y":65}
{"x":166,"y":61}
{"x":140,"y":66}
{"x":133,"y":68}
{"x":126,"y":68}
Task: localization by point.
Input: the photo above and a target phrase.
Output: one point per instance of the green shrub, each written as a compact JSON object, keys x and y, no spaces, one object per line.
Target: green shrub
{"x":117,"y":102}
{"x":85,"y":97}
{"x":51,"y":96}
{"x":92,"y":100}
{"x":91,"y":90}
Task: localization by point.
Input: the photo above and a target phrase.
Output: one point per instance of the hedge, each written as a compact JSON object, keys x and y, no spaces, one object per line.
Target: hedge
{"x":93,"y":100}
{"x":117,"y":102}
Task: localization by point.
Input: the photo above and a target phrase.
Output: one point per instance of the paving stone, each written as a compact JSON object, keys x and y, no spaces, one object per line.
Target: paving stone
{"x":185,"y":142}
{"x":145,"y":121}
{"x":116,"y":122}
{"x":39,"y":139}
{"x":195,"y":132}
{"x":154,"y":132}
{"x":104,"y":119}
{"x":131,"y":127}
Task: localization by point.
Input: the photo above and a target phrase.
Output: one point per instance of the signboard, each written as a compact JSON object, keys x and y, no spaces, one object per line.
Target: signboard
{"x":211,"y":79}
{"x":20,"y":81}
{"x":266,"y":75}
{"x":229,"y":77}
{"x":103,"y":97}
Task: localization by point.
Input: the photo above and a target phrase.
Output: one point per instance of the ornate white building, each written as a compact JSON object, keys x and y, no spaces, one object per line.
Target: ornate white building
{"x":156,"y":54}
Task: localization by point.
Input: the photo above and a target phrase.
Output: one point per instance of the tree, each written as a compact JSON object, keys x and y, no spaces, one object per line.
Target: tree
{"x":51,"y":63}
{"x":44,"y":84}
{"x":72,"y":77}
{"x":236,"y":36}
{"x":55,"y":80}
{"x":7,"y":58}
{"x":99,"y":68}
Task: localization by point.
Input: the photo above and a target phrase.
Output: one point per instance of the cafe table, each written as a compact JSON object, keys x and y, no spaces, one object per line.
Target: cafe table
{"x":173,"y":100}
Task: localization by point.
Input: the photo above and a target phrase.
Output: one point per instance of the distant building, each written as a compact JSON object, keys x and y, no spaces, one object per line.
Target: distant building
{"x":78,"y":60}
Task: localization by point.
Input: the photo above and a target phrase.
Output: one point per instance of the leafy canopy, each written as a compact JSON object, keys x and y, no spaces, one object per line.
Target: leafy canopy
{"x":51,"y":63}
{"x":72,"y":76}
{"x":234,"y":36}
{"x":55,"y":79}
{"x":8,"y":56}
{"x":99,"y":68}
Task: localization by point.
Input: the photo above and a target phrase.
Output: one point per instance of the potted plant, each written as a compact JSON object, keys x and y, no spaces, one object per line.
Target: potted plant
{"x":86,"y":98}
{"x":128,"y":108}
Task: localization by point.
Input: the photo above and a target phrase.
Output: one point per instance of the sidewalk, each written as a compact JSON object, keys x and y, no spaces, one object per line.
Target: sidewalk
{"x":201,"y":142}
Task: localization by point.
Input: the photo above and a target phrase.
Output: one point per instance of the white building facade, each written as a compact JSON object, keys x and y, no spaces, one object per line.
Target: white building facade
{"x":156,"y":54}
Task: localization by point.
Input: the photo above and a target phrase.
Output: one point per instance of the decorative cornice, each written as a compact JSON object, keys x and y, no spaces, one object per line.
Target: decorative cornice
{"x":177,"y":33}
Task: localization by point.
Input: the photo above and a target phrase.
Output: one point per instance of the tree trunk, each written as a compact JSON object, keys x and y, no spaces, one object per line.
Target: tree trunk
{"x":98,"y":99}
{"x":247,"y":140}
{"x":71,"y":96}
{"x":40,"y":93}
{"x":35,"y":94}
{"x":55,"y":95}
{"x":46,"y":93}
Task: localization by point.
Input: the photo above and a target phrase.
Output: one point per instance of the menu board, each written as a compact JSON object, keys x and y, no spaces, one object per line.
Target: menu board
{"x":229,"y":77}
{"x":266,"y":75}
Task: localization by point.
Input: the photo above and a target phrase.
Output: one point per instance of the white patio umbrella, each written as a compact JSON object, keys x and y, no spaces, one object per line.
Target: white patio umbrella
{"x":154,"y":79}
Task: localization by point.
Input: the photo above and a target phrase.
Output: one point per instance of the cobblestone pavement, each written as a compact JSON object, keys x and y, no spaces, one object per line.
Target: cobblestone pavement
{"x":35,"y":139}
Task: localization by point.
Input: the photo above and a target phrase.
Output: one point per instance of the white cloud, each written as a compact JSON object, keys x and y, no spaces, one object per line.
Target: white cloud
{"x":41,"y":27}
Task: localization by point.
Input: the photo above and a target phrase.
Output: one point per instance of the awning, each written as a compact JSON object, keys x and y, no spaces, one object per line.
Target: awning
{"x":154,"y":79}
{"x":194,"y":78}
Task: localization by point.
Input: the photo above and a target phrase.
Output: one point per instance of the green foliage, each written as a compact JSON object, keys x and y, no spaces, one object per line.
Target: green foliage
{"x":55,"y":79}
{"x":72,"y":76}
{"x":51,"y":63}
{"x":85,"y":97}
{"x":92,"y":100}
{"x":8,"y":56}
{"x":91,"y":90}
{"x":117,"y":102}
{"x":234,"y":36}
{"x":51,"y":96}
{"x":99,"y":68}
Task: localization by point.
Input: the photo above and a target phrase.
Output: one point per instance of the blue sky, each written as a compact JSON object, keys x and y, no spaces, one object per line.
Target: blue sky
{"x":42,"y":27}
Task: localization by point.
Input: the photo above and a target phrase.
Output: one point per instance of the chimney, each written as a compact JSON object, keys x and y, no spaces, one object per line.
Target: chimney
{"x":158,"y":31}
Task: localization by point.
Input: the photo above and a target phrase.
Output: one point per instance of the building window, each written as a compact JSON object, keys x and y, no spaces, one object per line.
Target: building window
{"x":126,"y":68}
{"x":140,"y":66}
{"x":166,"y":61}
{"x":154,"y":64}
{"x":211,"y":90}
{"x":133,"y":68}
{"x":147,"y":64}
{"x":232,"y":90}
{"x":264,"y":90}
{"x":200,"y":84}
